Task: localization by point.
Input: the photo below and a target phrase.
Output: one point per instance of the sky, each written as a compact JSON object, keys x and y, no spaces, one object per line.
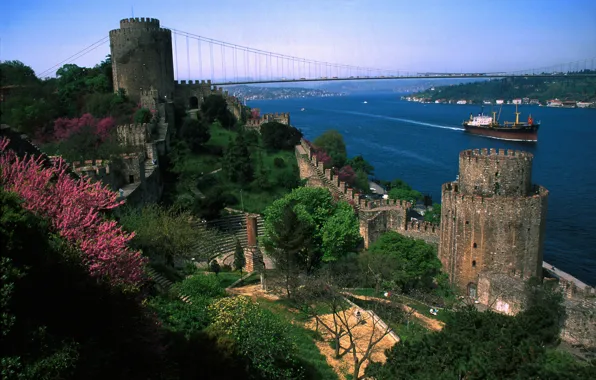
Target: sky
{"x":418,"y":36}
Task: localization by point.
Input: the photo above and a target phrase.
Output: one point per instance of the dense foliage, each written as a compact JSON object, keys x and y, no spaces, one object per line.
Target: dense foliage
{"x":543,"y":89}
{"x":279,"y":136}
{"x":73,"y":207}
{"x":404,"y":262}
{"x":259,"y":335}
{"x":195,"y":132}
{"x":309,"y":225}
{"x":57,"y":321}
{"x":332,"y":142}
{"x":214,"y":108}
{"x":487,"y":345}
{"x":168,"y":233}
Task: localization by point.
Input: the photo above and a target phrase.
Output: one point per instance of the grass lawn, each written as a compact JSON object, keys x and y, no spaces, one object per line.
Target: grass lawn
{"x":198,"y":165}
{"x":220,"y":136}
{"x":405,"y":330}
{"x":416,"y":305}
{"x":228,"y":278}
{"x":315,"y":363}
{"x":254,"y":197}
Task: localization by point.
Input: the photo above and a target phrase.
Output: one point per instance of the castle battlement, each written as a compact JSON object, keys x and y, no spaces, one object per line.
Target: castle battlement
{"x":495,"y":154}
{"x":134,"y":31}
{"x":193,"y":82}
{"x":415,"y":225}
{"x":141,"y":22}
{"x":492,"y":172}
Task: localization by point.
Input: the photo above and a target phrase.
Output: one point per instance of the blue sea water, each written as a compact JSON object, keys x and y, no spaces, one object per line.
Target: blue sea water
{"x":420,"y":143}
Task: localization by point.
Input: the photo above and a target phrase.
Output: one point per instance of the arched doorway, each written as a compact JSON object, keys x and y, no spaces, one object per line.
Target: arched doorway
{"x":193,"y":103}
{"x":472,"y":290}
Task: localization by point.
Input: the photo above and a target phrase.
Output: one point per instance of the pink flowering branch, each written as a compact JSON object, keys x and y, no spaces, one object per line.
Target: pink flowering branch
{"x":64,"y":127}
{"x":73,"y":206}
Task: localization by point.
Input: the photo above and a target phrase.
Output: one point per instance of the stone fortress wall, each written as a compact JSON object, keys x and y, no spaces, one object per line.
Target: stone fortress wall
{"x":376,"y":216}
{"x":142,"y":57}
{"x":255,"y":123}
{"x":492,"y":228}
{"x":492,"y":219}
{"x":202,"y":89}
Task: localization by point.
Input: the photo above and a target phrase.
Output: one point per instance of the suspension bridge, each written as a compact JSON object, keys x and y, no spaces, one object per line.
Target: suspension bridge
{"x":196,"y":57}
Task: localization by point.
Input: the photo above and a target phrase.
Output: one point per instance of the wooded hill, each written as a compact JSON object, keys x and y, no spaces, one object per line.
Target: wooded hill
{"x":543,"y":89}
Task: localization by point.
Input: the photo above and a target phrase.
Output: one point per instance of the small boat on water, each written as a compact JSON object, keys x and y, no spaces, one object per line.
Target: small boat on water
{"x":365,"y":102}
{"x":302,"y":109}
{"x":485,"y":125}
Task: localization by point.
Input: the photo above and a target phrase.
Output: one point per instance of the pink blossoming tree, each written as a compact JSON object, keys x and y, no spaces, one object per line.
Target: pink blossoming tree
{"x":73,"y":206}
{"x":64,"y":127}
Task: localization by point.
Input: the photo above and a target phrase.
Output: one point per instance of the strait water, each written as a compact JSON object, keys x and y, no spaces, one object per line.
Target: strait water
{"x":420,"y":143}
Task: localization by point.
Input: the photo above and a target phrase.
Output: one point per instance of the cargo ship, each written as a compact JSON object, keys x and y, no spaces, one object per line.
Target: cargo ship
{"x":485,"y":125}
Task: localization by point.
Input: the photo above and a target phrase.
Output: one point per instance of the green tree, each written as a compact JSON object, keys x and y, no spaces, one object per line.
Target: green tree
{"x":16,"y":73}
{"x":332,"y":142}
{"x":340,"y":233}
{"x":289,"y":243}
{"x":408,"y":263}
{"x":434,"y":215}
{"x":278,"y":136}
{"x":215,"y":108}
{"x":196,"y":133}
{"x":259,"y":335}
{"x":359,"y":163}
{"x":405,"y":194}
{"x":487,"y":345}
{"x":239,"y":258}
{"x":237,"y":163}
{"x":167,"y":233}
{"x":334,"y":225}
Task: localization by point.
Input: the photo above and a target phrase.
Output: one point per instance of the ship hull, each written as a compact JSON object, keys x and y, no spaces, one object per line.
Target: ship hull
{"x":512,"y":134}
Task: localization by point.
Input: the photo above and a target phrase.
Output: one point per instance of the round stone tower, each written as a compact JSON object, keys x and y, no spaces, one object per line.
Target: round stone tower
{"x":142,"y":58}
{"x":492,"y":218}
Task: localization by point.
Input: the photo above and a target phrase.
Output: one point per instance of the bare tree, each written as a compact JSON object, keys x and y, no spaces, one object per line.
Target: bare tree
{"x":354,"y":330}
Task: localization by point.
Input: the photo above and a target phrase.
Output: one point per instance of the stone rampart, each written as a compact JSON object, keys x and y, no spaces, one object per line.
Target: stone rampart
{"x":134,"y":135}
{"x":202,"y":89}
{"x":376,"y":216}
{"x":492,"y":233}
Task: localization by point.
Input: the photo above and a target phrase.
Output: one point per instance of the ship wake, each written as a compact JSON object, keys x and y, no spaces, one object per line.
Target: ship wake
{"x":409,"y":121}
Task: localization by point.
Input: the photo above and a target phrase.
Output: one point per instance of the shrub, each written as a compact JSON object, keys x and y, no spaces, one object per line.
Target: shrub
{"x":279,"y":162}
{"x":259,"y":335}
{"x":143,"y":115}
{"x":199,"y":287}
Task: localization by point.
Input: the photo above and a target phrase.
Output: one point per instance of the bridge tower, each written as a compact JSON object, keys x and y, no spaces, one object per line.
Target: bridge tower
{"x":142,"y":58}
{"x":492,"y":219}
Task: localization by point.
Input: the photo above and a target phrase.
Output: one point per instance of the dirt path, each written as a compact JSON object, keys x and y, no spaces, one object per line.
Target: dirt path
{"x":361,"y":334}
{"x":252,"y":291}
{"x":429,"y":323}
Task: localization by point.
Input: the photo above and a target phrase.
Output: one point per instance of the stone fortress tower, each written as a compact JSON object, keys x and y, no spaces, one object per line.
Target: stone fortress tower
{"x":492,"y":219}
{"x":142,"y":58}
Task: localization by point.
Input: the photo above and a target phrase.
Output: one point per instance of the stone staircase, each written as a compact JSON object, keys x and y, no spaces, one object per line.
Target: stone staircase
{"x":230,"y":228}
{"x":165,"y":284}
{"x":334,"y":189}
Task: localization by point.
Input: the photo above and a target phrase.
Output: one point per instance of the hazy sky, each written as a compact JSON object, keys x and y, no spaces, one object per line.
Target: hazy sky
{"x":416,"y":35}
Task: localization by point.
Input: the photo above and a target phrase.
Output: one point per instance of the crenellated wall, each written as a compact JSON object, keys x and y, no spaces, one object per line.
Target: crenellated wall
{"x":492,"y":218}
{"x":202,"y":89}
{"x":255,"y":123}
{"x":376,"y":216}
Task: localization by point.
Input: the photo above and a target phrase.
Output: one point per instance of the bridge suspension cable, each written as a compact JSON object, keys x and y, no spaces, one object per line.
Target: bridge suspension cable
{"x":263,"y":68}
{"x":76,"y":56}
